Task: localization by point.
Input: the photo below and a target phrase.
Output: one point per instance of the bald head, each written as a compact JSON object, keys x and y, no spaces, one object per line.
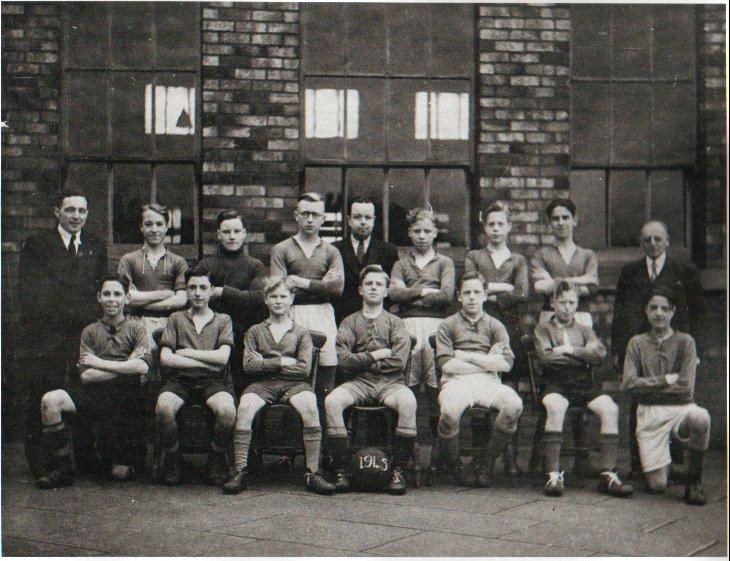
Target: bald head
{"x":654,"y":238}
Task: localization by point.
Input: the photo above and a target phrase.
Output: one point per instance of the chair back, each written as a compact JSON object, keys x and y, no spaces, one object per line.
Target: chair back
{"x":318,"y":341}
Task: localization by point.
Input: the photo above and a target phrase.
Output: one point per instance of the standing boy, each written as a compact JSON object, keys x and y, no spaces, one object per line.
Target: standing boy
{"x":195,"y":346}
{"x":373,"y":345}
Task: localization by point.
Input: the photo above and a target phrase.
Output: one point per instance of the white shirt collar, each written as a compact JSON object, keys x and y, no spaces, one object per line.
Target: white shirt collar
{"x":659,"y":263}
{"x":66,"y":237}
{"x":355,"y":242}
{"x":500,"y":256}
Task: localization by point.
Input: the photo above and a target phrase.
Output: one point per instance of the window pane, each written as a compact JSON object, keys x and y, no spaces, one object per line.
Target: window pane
{"x":128,"y":136}
{"x":408,"y":37}
{"x":369,"y":142}
{"x":87,"y":109}
{"x":401,"y":142}
{"x":131,"y":34}
{"x":631,"y":36}
{"x":589,"y":139}
{"x":673,"y":126}
{"x":449,"y":121}
{"x":365,"y":44}
{"x":87,"y":35}
{"x":406,"y":190}
{"x":674,"y":41}
{"x":368,"y":182}
{"x":631,"y":139}
{"x":175,"y":115}
{"x":131,"y":188}
{"x":92,"y":180}
{"x":449,"y":197}
{"x":588,"y":191}
{"x":177,"y":189}
{"x":327,"y":181}
{"x":323,"y":48}
{"x":178,"y":38}
{"x":325,"y":121}
{"x":667,"y":202}
{"x":452,"y":28}
{"x":627,"y":195}
{"x":591,"y":41}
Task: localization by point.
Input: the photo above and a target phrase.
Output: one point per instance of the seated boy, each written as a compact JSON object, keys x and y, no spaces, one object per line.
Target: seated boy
{"x":373,"y":345}
{"x":568,"y":350}
{"x":277,"y":353}
{"x":659,"y":373}
{"x":472,"y":350}
{"x":195,"y":346}
{"x":113,"y":356}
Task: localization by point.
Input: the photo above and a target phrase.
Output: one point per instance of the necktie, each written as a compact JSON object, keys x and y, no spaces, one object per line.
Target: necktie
{"x":360,"y":251}
{"x":72,"y":246}
{"x":654,"y":273}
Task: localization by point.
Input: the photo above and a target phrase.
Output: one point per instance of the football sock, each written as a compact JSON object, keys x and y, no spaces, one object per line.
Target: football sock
{"x":495,"y":446}
{"x":402,"y":450}
{"x":551,"y":442}
{"x":696,"y":464}
{"x":339,"y":448}
{"x":312,"y":437}
{"x":609,"y":451}
{"x":449,"y":449}
{"x":221,"y":439}
{"x":241,"y":444}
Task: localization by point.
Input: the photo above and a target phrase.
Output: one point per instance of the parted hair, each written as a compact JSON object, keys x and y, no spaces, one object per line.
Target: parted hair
{"x":200,"y":270}
{"x":374,"y":269}
{"x":113,"y":278}
{"x":155,"y":207}
{"x":663,"y":291}
{"x":228,"y":214}
{"x":563,"y":286}
{"x":496,"y":206}
{"x":65,"y":193}
{"x":272,"y":283}
{"x":560,"y":201}
{"x":472,"y":275}
{"x":419,"y":213}
{"x":311,"y":197}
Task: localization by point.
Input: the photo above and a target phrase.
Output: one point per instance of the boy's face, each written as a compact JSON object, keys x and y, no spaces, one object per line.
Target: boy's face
{"x":422,"y":234}
{"x":565,"y":305}
{"x":362,"y":220}
{"x":112,"y":298}
{"x":72,"y":214}
{"x":231,"y":234}
{"x":659,"y":312}
{"x":472,"y":296}
{"x":373,"y":288}
{"x":497,"y":227}
{"x":279,"y":300}
{"x":198,"y":289}
{"x":562,"y":223}
{"x":309,"y":216}
{"x":154,"y":228}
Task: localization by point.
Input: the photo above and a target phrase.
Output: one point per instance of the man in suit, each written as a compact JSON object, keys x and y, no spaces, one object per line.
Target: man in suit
{"x":656,"y":269}
{"x":59,"y":272}
{"x":358,"y":251}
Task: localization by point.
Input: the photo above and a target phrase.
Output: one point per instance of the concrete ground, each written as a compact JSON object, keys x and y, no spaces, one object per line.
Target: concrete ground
{"x":279,"y":518}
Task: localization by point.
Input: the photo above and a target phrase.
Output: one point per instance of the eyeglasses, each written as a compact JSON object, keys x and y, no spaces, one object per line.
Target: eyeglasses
{"x":310,"y":214}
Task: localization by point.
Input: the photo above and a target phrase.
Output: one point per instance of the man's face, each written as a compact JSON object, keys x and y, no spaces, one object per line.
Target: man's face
{"x":279,"y":300}
{"x":112,"y":298}
{"x":309,"y":216}
{"x":231,"y":234}
{"x":362,"y":220}
{"x":198,"y":289}
{"x":497,"y":227}
{"x":562,"y":223}
{"x":472,"y":296}
{"x":154,"y":228}
{"x":72,"y":214}
{"x":659,"y":312}
{"x":422,"y":234}
{"x":654,"y":240}
{"x":373,"y":288}
{"x":565,"y":305}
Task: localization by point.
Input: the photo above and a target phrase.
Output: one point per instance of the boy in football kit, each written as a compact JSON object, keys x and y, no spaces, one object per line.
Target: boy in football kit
{"x":277,"y":354}
{"x":659,"y":373}
{"x":373,"y":345}
{"x":472,"y":351}
{"x":195,"y":346}
{"x":315,"y":269}
{"x":113,"y":356}
{"x":568,"y":350}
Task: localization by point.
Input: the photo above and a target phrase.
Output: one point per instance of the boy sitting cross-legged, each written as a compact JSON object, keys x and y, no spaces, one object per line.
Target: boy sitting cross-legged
{"x":277,"y":353}
{"x":373,"y":345}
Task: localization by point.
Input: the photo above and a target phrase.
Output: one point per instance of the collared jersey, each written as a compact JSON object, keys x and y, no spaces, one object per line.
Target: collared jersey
{"x":167,"y":274}
{"x":547,"y":262}
{"x":262,"y":354}
{"x":438,"y":273}
{"x":180,"y":333}
{"x":514,"y":270}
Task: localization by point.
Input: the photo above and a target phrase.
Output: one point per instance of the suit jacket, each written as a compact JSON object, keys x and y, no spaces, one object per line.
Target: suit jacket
{"x":629,"y":317}
{"x":378,"y":253}
{"x":57,"y":292}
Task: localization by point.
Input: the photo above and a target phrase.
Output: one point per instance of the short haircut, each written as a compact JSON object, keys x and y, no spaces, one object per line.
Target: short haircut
{"x":416,"y":214}
{"x":361,"y":201}
{"x":228,"y":214}
{"x":65,"y":193}
{"x":114,"y":278}
{"x":310,"y":197}
{"x":374,"y":269}
{"x":563,"y":287}
{"x":560,"y":201}
{"x":472,"y":275}
{"x":272,"y":283}
{"x":663,"y":291}
{"x":496,"y":206}
{"x":155,"y":207}
{"x":200,"y":270}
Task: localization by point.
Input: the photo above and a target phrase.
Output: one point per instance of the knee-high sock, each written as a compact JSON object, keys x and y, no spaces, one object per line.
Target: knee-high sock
{"x":221,"y":438}
{"x":495,"y":446}
{"x":168,"y":434}
{"x":551,"y":442}
{"x":241,"y":445}
{"x":402,"y":450}
{"x":312,"y":437}
{"x":609,"y":451}
{"x":60,"y":444}
{"x":339,"y":448}
{"x":696,"y":464}
{"x":449,"y":450}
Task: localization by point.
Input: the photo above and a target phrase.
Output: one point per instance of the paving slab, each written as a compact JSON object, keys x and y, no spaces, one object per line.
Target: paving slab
{"x":273,"y":548}
{"x":21,"y":547}
{"x":21,"y":521}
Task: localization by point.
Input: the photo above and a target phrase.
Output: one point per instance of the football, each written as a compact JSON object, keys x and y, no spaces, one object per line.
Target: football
{"x":369,"y":470}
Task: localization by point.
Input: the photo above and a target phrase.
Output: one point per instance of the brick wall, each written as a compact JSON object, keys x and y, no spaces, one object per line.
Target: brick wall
{"x":250,"y":118}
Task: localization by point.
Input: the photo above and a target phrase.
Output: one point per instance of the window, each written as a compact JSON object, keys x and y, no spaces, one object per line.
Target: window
{"x":387,"y":112}
{"x":632,"y":119}
{"x":130,"y":115}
